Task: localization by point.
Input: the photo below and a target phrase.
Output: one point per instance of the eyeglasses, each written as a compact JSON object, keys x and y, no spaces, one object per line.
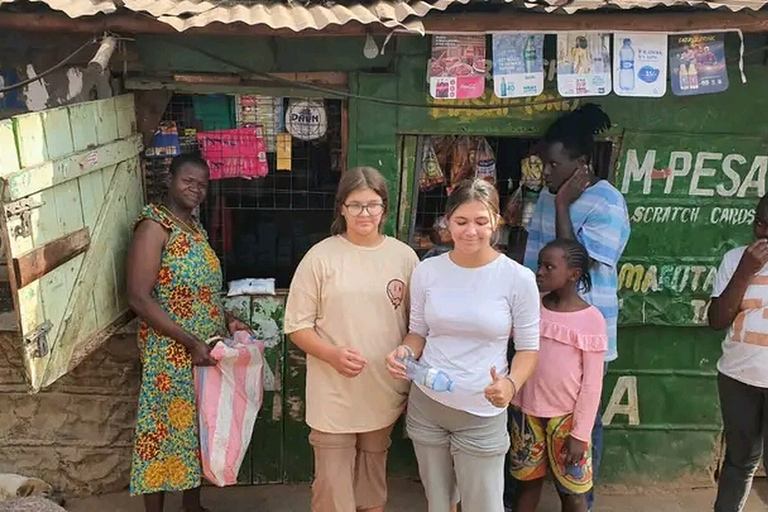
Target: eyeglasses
{"x":357,"y":209}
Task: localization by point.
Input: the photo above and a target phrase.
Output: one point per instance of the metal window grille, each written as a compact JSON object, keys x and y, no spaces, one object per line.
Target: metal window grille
{"x":262,"y":227}
{"x":509,"y":152}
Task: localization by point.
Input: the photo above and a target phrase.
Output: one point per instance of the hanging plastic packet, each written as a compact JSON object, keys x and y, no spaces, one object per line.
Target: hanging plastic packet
{"x":431,"y":171}
{"x":462,"y":162}
{"x":485,"y":162}
{"x":513,"y":213}
{"x":532,"y":172}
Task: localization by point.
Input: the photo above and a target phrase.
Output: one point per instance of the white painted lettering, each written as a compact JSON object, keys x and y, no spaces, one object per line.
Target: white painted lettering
{"x":685,"y":158}
{"x":728,"y":170}
{"x":700,"y":308}
{"x":755,"y":178}
{"x":731,"y":178}
{"x":700,"y":169}
{"x":633,"y":171}
{"x":626,"y":385}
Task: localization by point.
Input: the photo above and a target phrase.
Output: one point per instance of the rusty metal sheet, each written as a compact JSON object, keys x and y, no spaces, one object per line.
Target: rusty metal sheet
{"x":77,"y":8}
{"x":186,"y":14}
{"x":588,"y":5}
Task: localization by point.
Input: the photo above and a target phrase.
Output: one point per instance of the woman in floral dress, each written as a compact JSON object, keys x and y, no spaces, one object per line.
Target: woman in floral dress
{"x":174,"y":280}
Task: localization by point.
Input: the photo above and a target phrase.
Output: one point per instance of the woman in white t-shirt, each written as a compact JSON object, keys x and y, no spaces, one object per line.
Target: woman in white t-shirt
{"x":464,"y":304}
{"x":347,"y":309}
{"x":740,"y":304}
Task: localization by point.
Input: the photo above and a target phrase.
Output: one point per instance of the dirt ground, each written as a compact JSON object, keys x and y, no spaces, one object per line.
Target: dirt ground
{"x":407,"y":496}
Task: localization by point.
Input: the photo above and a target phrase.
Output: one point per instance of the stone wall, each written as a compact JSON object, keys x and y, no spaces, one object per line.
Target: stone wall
{"x":78,"y":434}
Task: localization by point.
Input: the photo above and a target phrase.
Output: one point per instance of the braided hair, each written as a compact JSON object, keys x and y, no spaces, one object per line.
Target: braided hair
{"x":576,"y":130}
{"x":576,"y":256}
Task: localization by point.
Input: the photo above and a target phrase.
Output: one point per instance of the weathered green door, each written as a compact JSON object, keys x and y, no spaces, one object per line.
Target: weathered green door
{"x":279,"y":451}
{"x":71,"y":190}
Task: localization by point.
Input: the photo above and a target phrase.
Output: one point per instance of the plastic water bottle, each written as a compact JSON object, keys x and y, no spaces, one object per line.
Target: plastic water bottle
{"x":626,"y":66}
{"x":432,"y":378}
{"x":529,"y":54}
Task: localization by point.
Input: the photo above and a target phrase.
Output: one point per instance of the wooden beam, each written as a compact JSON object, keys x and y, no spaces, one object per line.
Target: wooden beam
{"x":614,"y":21}
{"x":32,"y":180}
{"x":263,"y":87}
{"x":33,"y":265}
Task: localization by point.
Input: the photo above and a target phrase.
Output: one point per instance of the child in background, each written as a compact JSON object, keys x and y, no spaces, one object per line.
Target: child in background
{"x":553,"y":415}
{"x":441,"y":238}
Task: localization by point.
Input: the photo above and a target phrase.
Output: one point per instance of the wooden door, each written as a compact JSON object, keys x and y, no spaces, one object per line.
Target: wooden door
{"x":71,"y":190}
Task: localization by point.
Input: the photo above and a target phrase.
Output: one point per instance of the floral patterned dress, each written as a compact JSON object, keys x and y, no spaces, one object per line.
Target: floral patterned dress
{"x":166,"y":455}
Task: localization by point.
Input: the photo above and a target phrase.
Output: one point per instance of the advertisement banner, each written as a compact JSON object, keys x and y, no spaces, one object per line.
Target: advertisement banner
{"x":697,"y":64}
{"x":583,"y":64}
{"x":518,"y":65}
{"x":640,"y":64}
{"x":457,"y":67}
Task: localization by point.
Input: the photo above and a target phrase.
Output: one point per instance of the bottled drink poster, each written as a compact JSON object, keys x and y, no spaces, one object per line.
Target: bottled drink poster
{"x":518,"y":65}
{"x":640,"y":64}
{"x":697,"y":64}
{"x":583,"y":64}
{"x":457,"y":67}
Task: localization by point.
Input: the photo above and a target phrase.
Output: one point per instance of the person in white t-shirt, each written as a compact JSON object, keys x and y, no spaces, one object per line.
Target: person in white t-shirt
{"x":740,"y":304}
{"x":464,"y":304}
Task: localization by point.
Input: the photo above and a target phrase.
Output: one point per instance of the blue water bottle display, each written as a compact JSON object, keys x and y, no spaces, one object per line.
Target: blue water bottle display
{"x":626,"y":66}
{"x":431,"y":378}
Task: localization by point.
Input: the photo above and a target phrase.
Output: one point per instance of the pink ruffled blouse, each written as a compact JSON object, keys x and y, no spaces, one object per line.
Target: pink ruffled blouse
{"x":569,"y":375}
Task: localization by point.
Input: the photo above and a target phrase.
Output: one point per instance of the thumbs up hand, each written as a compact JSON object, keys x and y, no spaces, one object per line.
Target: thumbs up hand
{"x":501,"y":390}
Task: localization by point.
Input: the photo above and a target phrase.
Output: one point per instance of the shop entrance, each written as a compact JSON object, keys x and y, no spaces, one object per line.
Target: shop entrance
{"x":260,"y":227}
{"x":459,"y":157}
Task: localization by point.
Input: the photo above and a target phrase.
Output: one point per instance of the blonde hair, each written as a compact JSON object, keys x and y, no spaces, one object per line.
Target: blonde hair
{"x":469,"y":191}
{"x":359,"y":178}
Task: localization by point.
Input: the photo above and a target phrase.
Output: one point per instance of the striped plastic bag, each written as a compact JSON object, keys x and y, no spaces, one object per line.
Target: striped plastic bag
{"x":229,"y":396}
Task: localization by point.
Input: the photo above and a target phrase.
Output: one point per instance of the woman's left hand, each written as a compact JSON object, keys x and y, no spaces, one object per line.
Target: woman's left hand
{"x":501,"y":391}
{"x":235,"y":325}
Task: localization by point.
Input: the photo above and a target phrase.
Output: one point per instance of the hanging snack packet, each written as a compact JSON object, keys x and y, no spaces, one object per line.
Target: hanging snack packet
{"x":485,"y":162}
{"x":513,"y":213}
{"x":431,"y":171}
{"x":462,"y":161}
{"x":532,"y":172}
{"x":443,"y":146}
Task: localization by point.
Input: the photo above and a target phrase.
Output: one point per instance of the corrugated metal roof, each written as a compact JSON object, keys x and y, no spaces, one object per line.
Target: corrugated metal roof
{"x":76,"y":8}
{"x":591,"y":5}
{"x":405,"y":14}
{"x":185,"y":14}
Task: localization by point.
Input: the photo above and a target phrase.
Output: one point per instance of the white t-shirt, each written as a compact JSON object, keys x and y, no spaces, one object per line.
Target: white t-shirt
{"x":466,"y":315}
{"x":745,"y":348}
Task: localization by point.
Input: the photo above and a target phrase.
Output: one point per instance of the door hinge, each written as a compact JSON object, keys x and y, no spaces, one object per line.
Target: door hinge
{"x":36,"y":341}
{"x":22,"y":209}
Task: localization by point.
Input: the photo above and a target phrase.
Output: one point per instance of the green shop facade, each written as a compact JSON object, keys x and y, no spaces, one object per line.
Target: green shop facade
{"x":691,"y":170}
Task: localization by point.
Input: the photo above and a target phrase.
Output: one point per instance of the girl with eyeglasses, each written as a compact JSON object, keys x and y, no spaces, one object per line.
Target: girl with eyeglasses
{"x":347,"y":309}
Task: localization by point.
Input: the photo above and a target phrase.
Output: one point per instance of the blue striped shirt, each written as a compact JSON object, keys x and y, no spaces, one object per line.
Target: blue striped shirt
{"x":600,"y":222}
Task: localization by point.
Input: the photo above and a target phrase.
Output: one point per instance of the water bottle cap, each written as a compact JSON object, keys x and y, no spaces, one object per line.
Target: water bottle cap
{"x":450,"y":386}
{"x":627,"y":41}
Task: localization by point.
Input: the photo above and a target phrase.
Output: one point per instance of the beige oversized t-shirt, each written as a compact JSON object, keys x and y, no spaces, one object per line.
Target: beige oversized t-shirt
{"x":353,"y":297}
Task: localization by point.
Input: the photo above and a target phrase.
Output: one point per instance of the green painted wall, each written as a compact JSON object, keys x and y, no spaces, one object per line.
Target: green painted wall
{"x":668,"y":356}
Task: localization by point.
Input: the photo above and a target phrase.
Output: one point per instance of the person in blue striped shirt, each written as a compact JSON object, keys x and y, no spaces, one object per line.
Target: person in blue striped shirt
{"x":576,"y":204}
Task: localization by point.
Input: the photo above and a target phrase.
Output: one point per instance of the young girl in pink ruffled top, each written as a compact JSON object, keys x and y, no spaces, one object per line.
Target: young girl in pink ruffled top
{"x":553,"y":415}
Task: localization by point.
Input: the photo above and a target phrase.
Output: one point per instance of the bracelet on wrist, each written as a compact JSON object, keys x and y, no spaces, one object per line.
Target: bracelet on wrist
{"x":514,"y":385}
